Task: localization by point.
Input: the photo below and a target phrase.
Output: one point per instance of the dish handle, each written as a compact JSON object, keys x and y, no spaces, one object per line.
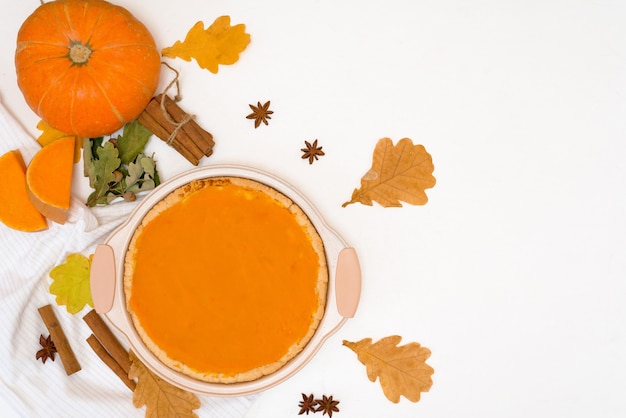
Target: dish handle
{"x":102,"y":278}
{"x":347,"y":282}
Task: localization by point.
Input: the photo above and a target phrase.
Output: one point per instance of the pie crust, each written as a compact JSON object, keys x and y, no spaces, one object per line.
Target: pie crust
{"x":225,"y":279}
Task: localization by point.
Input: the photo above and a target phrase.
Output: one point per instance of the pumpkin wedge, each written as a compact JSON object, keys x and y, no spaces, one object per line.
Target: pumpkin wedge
{"x":49,"y":179}
{"x":16,"y":209}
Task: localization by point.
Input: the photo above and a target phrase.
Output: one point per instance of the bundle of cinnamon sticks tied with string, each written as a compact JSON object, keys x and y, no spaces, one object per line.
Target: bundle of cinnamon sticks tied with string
{"x":166,"y":120}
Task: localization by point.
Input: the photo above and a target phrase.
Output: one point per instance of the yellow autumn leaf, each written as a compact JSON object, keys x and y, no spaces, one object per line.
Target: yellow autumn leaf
{"x":400,"y":172}
{"x":402,"y":370}
{"x":160,"y":398}
{"x":50,"y":134}
{"x":70,"y":283}
{"x":218,"y":44}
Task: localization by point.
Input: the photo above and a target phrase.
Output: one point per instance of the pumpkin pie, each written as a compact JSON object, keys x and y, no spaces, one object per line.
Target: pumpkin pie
{"x":225,"y":280}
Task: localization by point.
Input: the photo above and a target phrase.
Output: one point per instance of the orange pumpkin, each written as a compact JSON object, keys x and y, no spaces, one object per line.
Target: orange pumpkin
{"x":86,"y":67}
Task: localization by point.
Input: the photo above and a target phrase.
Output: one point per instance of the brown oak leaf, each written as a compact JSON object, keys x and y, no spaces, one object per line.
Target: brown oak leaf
{"x":401,"y":370}
{"x":220,"y":43}
{"x":160,"y":398}
{"x":400,"y":172}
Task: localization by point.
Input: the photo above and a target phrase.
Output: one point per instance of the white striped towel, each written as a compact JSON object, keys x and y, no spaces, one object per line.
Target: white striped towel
{"x":29,"y":388}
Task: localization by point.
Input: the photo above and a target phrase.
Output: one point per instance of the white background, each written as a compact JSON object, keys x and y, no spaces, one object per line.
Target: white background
{"x":514,"y":273}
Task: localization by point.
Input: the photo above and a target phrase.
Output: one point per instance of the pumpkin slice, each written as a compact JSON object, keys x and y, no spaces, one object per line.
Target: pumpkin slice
{"x":16,"y":209}
{"x":49,"y":179}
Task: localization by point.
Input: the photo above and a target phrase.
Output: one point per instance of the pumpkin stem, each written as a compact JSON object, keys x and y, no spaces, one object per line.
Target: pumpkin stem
{"x":79,"y":53}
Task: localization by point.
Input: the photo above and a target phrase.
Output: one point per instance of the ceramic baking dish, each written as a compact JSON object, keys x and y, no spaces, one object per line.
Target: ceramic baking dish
{"x":108,"y":290}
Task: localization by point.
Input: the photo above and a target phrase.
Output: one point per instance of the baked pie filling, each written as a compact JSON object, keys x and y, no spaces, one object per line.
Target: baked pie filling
{"x":225,"y":280}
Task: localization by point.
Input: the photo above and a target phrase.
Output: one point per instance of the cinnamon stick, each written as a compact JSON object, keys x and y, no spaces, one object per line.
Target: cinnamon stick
{"x":154,"y":109}
{"x":108,"y":340}
{"x":104,"y":355}
{"x":70,"y":363}
{"x":202,"y":138}
{"x":147,"y":120}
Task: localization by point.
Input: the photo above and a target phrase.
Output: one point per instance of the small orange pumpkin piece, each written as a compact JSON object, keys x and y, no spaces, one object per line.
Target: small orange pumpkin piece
{"x":16,"y":209}
{"x":86,"y":67}
{"x":49,"y":179}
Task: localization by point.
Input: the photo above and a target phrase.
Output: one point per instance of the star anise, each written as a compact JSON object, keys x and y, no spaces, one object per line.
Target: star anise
{"x":312,"y":151}
{"x":327,"y":405}
{"x":48,"y":350}
{"x":307,"y":404}
{"x":260,"y":113}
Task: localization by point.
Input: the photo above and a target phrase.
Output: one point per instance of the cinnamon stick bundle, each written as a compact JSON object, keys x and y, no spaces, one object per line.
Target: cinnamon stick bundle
{"x":165,"y":119}
{"x":107,"y":359}
{"x":108,"y":348}
{"x":103,"y":333}
{"x":201,"y":138}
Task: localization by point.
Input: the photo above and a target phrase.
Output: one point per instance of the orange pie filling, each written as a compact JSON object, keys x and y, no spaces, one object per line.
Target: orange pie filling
{"x":226,"y":280}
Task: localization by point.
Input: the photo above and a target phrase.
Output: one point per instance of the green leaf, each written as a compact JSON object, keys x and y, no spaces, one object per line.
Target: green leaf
{"x":70,"y":283}
{"x":109,"y":198}
{"x":89,"y":169}
{"x":135,"y":171}
{"x":141,"y":175}
{"x":95,"y":144}
{"x":148,"y":165}
{"x":132,"y":141}
{"x":148,"y":184}
{"x":121,"y":155}
{"x":108,"y":161}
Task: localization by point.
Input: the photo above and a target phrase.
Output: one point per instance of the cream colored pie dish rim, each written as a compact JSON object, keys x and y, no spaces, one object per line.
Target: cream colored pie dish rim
{"x":107,"y":284}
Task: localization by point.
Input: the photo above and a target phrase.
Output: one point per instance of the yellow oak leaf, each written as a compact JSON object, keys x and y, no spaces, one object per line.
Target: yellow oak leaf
{"x":160,"y":398}
{"x":218,"y":44}
{"x":400,"y":172}
{"x":402,"y":370}
{"x":50,"y":134}
{"x":70,"y":283}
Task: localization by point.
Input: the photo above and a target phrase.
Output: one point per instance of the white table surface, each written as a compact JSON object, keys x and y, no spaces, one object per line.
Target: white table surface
{"x":514,"y":273}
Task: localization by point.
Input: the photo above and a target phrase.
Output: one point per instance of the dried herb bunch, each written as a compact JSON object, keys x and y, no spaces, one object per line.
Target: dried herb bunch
{"x":118,"y":167}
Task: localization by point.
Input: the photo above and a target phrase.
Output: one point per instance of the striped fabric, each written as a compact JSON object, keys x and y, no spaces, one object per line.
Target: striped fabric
{"x":29,"y":388}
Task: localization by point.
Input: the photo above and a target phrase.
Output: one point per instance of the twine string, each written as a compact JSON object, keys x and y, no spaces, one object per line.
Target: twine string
{"x":177,"y":125}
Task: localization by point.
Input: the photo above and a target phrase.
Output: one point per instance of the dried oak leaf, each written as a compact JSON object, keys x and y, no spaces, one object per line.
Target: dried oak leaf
{"x":220,"y":43}
{"x":50,"y":134}
{"x":400,"y":172}
{"x":402,"y":370}
{"x":160,"y":398}
{"x":70,"y":283}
